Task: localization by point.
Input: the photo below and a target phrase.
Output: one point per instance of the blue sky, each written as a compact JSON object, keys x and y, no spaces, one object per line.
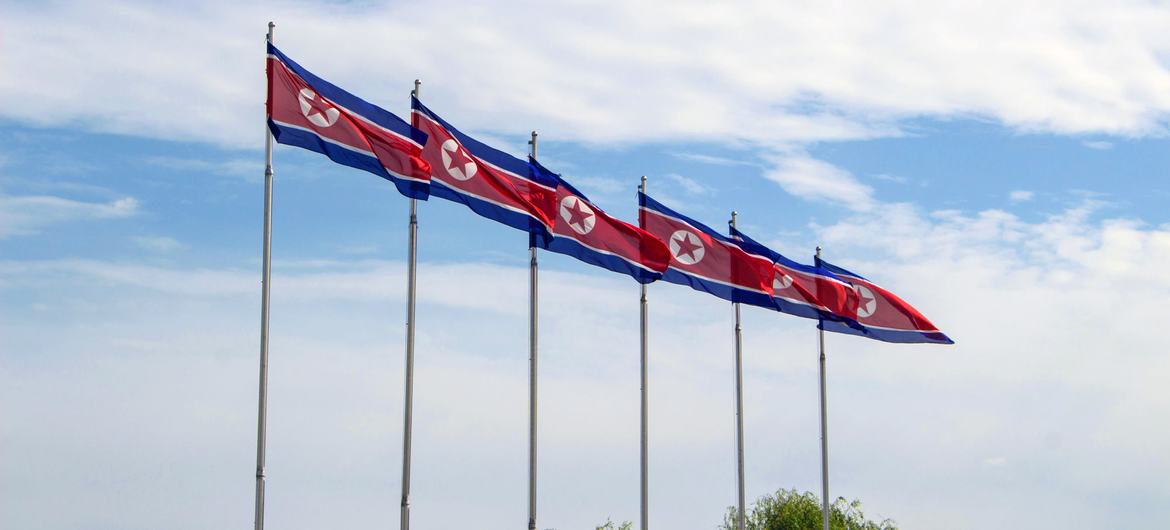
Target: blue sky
{"x":1004,"y":169}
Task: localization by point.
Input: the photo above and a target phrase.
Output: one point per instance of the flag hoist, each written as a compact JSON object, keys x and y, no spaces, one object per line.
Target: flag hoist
{"x":645,"y":441}
{"x":408,"y":374}
{"x":824,"y":427}
{"x":740,"y":514}
{"x":532,"y":358}
{"x":505,"y":189}
{"x":309,"y":112}
{"x":265,"y":290}
{"x":584,"y":231}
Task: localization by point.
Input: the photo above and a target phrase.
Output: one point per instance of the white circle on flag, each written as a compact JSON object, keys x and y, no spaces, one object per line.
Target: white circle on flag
{"x":781,"y":281}
{"x":868,"y":303}
{"x":317,"y":118}
{"x":578,"y":215}
{"x":451,"y":161}
{"x":686,"y":247}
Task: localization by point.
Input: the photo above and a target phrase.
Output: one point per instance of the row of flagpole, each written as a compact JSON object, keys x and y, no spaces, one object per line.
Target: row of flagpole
{"x":412,"y":257}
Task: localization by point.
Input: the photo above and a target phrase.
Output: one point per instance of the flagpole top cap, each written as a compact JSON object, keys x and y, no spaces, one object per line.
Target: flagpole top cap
{"x":818,"y":251}
{"x":271,"y":24}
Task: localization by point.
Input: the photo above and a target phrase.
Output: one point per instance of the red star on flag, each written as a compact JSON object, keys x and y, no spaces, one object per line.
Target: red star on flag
{"x":319,"y":105}
{"x":459,"y":159}
{"x":578,"y":215}
{"x":685,"y":247}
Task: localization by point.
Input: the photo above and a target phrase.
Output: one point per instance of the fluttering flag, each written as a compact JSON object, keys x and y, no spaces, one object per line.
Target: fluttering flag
{"x":706,"y":260}
{"x":803,"y":290}
{"x":881,"y":314}
{"x":309,"y":112}
{"x":586,"y":232}
{"x":491,"y":182}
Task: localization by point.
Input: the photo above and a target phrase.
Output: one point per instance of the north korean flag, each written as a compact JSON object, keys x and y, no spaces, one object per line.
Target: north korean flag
{"x":706,"y":260}
{"x":307,"y":111}
{"x":803,"y":290}
{"x":584,"y":231}
{"x":492,"y":183}
{"x":881,"y":314}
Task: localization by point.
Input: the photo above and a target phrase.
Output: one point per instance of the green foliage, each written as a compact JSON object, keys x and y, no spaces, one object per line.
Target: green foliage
{"x":793,"y":510}
{"x":610,"y":526}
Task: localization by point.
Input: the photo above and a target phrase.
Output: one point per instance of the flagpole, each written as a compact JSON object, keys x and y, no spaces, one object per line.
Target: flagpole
{"x":532,"y":295}
{"x":265,"y":291}
{"x":645,"y":401}
{"x":824,"y":428}
{"x":408,"y":399}
{"x":740,"y":513}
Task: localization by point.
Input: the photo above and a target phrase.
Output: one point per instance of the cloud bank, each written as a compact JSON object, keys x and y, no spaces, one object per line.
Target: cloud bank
{"x":756,"y":72}
{"x":1047,"y":396}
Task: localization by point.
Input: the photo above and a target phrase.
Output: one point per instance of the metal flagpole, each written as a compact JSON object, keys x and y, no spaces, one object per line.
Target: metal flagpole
{"x":741,"y":515}
{"x":532,"y":294}
{"x":824,"y":431}
{"x":645,"y":400}
{"x":265,"y":290}
{"x":408,"y":400}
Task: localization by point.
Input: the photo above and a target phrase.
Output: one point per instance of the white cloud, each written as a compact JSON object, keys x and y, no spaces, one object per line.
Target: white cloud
{"x":600,"y":185}
{"x":159,"y":243}
{"x":29,"y":214}
{"x":1021,"y":195}
{"x":898,"y":179}
{"x":604,"y":73}
{"x":1099,"y":145}
{"x":239,"y":167}
{"x":689,"y":185}
{"x":995,"y":460}
{"x":710,"y":159}
{"x":817,"y":180}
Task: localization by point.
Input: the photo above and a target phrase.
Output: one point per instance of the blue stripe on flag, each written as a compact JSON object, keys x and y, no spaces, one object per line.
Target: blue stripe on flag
{"x":887,"y":335}
{"x":518,"y":220}
{"x":721,"y":290}
{"x":571,"y":247}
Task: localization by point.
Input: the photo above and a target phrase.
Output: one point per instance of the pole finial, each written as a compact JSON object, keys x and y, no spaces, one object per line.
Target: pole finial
{"x":734,"y":214}
{"x":417,"y":87}
{"x":818,"y":251}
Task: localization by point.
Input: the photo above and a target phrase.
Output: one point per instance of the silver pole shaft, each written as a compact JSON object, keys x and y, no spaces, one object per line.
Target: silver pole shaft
{"x":532,"y":358}
{"x":825,"y":513}
{"x":645,"y":402}
{"x":741,"y":514}
{"x":408,"y":399}
{"x":265,"y":290}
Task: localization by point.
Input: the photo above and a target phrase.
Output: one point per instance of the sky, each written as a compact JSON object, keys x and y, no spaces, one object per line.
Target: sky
{"x":1003,"y":167}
